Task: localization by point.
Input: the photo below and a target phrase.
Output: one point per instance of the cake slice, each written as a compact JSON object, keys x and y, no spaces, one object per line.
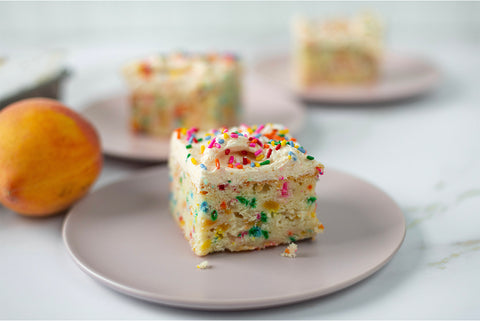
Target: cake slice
{"x":183,"y":90}
{"x":337,"y":51}
{"x":242,"y":188}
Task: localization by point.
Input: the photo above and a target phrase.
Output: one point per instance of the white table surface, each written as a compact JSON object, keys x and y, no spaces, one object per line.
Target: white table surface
{"x":424,"y":153}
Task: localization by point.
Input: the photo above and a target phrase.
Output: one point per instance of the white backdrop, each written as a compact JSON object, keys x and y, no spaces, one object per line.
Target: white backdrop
{"x":424,"y":153}
{"x":233,"y":24}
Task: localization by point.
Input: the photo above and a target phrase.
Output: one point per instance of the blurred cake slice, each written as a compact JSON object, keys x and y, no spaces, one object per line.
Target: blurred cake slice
{"x":183,"y":90}
{"x":337,"y":51}
{"x":242,"y":188}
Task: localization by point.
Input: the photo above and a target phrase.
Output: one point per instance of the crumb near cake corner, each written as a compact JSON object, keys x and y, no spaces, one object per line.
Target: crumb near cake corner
{"x":203,"y":265}
{"x":290,"y":251}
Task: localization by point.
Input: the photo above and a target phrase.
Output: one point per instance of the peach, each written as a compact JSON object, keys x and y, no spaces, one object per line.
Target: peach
{"x":49,"y":156}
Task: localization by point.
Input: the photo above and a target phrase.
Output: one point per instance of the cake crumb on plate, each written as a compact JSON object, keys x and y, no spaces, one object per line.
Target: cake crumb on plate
{"x":204,"y":265}
{"x":291,"y":250}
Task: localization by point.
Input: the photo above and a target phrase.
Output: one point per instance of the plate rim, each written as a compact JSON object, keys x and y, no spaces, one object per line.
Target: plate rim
{"x":250,"y":78}
{"x":224,"y":305}
{"x":106,"y":99}
{"x":436,"y":75}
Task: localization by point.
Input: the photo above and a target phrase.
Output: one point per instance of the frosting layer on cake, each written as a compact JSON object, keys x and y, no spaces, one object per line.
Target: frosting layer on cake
{"x":239,"y":154}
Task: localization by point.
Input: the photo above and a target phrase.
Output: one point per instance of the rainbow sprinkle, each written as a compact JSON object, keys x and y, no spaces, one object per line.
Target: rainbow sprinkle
{"x":261,"y":145}
{"x":212,"y":143}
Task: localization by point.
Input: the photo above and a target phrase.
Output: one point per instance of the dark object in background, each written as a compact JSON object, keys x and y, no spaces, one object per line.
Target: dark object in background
{"x":49,"y":88}
{"x":31,"y":73}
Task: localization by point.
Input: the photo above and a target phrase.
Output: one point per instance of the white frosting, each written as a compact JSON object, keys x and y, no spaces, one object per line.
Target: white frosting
{"x":179,"y":71}
{"x":285,"y":162}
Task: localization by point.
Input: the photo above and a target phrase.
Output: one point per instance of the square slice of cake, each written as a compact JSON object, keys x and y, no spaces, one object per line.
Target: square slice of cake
{"x":242,"y":188}
{"x":183,"y":90}
{"x":337,"y":51}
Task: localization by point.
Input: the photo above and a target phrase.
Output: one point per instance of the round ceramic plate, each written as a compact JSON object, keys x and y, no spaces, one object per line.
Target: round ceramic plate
{"x":262,"y":103}
{"x":402,"y":76}
{"x":123,"y":236}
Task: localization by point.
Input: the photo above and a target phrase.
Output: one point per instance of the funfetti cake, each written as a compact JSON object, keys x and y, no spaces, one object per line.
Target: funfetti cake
{"x":337,"y":51}
{"x":183,"y":90}
{"x":242,"y":188}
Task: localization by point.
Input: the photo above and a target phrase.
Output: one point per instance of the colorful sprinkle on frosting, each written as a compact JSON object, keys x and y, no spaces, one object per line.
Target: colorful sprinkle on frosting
{"x":242,"y":148}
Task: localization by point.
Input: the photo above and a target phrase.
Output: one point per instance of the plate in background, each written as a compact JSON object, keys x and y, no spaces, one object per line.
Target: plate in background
{"x":262,"y":102}
{"x":124,"y":236}
{"x":402,"y":76}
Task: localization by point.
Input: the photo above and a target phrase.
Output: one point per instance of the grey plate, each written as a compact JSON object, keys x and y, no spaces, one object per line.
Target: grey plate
{"x":402,"y":76}
{"x":123,"y":236}
{"x":262,"y":102}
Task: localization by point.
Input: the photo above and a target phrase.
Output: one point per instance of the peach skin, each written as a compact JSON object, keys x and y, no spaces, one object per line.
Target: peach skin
{"x":49,"y":156}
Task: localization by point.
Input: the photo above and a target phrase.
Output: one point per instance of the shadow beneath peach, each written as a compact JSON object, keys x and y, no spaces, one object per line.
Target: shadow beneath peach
{"x":12,"y":220}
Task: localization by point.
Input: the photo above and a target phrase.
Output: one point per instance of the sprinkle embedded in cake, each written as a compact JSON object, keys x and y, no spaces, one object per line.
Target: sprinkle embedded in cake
{"x":290,"y":251}
{"x":242,"y":188}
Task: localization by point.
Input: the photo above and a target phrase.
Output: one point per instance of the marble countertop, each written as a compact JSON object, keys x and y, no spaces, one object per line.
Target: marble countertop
{"x":423,"y":152}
